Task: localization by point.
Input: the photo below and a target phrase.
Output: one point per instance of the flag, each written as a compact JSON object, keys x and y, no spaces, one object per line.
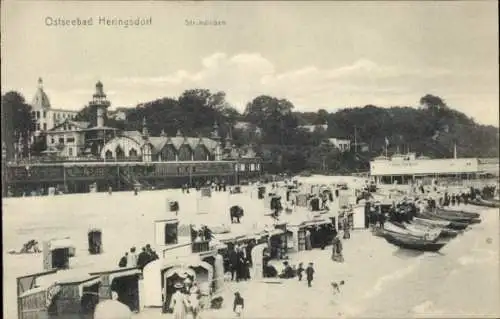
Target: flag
{"x":386,"y":141}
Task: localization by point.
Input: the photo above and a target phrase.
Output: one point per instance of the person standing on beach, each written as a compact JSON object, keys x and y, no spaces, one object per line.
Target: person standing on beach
{"x":132,"y":258}
{"x":310,"y":274}
{"x":300,"y":270}
{"x":123,"y":261}
{"x":238,"y":304}
{"x":347,"y":232}
{"x":308,"y":240}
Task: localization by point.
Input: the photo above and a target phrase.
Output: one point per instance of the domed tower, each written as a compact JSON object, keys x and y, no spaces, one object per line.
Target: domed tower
{"x":98,"y":106}
{"x":40,"y":100}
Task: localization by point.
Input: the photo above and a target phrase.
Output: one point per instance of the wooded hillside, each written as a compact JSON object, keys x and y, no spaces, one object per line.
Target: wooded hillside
{"x":272,"y":126}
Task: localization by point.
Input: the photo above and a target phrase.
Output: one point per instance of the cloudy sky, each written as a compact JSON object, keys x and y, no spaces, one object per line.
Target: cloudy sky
{"x":318,"y":55}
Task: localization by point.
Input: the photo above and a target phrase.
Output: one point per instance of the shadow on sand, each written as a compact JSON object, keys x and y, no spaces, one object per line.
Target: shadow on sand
{"x":403,"y":253}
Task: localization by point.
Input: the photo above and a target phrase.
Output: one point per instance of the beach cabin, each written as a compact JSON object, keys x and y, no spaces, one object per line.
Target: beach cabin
{"x":166,"y":232}
{"x":94,"y":236}
{"x":206,"y":192}
{"x":125,"y":282}
{"x":261,"y":192}
{"x":278,"y":241}
{"x":173,"y":206}
{"x":62,"y":298}
{"x":201,"y":236}
{"x":321,"y":229}
{"x":56,"y":253}
{"x":236,"y":189}
{"x":29,"y":304}
{"x":161,"y":275}
{"x":258,"y":261}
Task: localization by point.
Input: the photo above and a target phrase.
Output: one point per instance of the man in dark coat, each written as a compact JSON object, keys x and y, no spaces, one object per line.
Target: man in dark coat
{"x":240,"y":264}
{"x":142,"y":259}
{"x":309,"y":274}
{"x":233,"y":264}
{"x":123,"y":261}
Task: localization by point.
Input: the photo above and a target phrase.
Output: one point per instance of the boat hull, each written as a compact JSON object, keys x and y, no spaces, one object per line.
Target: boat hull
{"x":484,"y":203}
{"x":407,"y":242}
{"x":455,"y":225}
{"x":458,"y":213}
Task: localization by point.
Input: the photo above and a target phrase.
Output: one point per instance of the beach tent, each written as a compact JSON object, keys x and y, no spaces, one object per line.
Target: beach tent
{"x":161,"y":275}
{"x":359,"y":216}
{"x":94,"y":236}
{"x":28,"y":283}
{"x":166,"y":231}
{"x":258,"y":261}
{"x":66,"y":295}
{"x":56,"y":253}
{"x":125,"y":282}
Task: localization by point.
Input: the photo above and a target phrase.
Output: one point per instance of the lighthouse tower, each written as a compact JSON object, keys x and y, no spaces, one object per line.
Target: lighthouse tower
{"x":98,"y":106}
{"x":216,"y":137}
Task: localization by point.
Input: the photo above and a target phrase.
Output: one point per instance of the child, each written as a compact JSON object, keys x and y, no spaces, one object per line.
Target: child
{"x":239,"y":304}
{"x":300,"y":270}
{"x":310,"y":274}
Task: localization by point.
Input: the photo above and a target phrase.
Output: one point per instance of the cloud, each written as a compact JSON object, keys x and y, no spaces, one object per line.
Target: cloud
{"x":244,"y":76}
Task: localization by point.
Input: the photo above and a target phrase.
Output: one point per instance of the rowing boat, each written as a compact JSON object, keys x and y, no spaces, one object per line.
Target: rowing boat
{"x":410,"y":242}
{"x":452,"y":224}
{"x":458,"y":213}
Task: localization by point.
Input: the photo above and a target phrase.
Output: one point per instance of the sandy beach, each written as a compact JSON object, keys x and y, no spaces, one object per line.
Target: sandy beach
{"x":380,"y":279}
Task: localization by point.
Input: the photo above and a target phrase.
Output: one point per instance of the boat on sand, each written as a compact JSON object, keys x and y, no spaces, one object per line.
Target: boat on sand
{"x":411,"y":242}
{"x":456,"y":225}
{"x":458,"y":213}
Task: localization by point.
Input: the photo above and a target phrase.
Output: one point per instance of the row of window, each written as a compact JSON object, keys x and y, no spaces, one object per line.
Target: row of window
{"x":61,"y":140}
{"x":37,"y":127}
{"x":55,"y":116}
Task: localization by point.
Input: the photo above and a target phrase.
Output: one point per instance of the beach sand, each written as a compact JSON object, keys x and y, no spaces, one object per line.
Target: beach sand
{"x":380,"y":279}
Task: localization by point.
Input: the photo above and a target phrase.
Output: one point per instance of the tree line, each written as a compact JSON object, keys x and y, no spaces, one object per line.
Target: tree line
{"x":275,"y":129}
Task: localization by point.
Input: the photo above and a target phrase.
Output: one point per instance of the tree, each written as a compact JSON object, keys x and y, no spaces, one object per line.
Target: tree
{"x":432,"y":101}
{"x":17,"y":122}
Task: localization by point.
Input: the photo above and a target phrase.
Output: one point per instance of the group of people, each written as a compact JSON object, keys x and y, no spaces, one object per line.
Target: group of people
{"x":30,"y":247}
{"x":239,"y":261}
{"x":186,"y":299}
{"x":290,"y":272}
{"x":140,"y":260}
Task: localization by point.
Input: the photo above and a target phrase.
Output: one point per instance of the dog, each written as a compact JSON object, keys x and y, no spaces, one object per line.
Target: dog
{"x":336,"y":286}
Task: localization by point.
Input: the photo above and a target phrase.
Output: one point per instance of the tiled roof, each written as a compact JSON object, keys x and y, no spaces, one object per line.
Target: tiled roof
{"x":159,"y":142}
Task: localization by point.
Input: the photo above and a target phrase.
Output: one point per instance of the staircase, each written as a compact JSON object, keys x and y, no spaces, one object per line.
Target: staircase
{"x":131,"y":180}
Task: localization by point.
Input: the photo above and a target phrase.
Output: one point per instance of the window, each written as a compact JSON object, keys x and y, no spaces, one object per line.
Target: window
{"x":52,"y":140}
{"x":132,"y":153}
{"x":70,"y":151}
{"x":44,"y":126}
{"x":37,"y":114}
{"x":44,"y":114}
{"x":38,"y":126}
{"x":70,"y":140}
{"x":61,"y":140}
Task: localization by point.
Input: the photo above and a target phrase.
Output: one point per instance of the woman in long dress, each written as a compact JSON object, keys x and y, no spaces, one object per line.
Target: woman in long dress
{"x":179,"y":303}
{"x":194,"y":300}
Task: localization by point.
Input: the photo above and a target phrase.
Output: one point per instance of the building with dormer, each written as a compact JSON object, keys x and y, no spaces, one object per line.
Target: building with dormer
{"x":45,"y":116}
{"x":135,"y":145}
{"x":73,"y":139}
{"x":83,"y":155}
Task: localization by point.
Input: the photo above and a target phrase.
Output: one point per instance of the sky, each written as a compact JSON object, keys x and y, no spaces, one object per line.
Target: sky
{"x":326,"y":55}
